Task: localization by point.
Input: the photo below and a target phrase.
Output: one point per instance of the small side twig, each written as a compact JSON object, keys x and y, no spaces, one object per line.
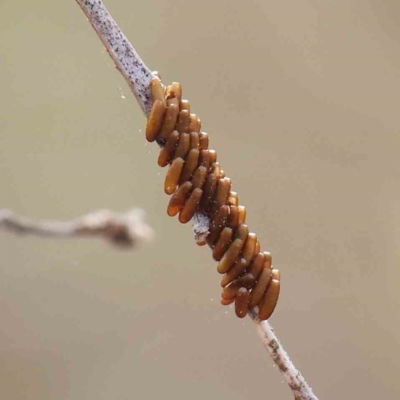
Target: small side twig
{"x":122,"y":230}
{"x":138,"y":77}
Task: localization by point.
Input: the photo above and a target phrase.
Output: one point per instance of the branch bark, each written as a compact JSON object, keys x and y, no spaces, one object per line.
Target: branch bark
{"x":125,"y":57}
{"x":138,"y":77}
{"x":300,"y":388}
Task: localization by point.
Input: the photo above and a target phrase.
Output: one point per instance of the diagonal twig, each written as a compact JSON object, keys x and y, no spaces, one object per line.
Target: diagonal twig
{"x":294,"y":378}
{"x":138,"y":77}
{"x":125,"y":57}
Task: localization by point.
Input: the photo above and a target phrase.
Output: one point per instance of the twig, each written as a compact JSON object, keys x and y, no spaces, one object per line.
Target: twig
{"x":132,"y":67}
{"x":295,"y":380}
{"x":122,"y":230}
{"x":125,"y":57}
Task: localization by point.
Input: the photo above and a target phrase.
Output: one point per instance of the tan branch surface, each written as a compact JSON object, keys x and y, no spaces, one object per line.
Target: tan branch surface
{"x":121,"y":230}
{"x":138,"y":77}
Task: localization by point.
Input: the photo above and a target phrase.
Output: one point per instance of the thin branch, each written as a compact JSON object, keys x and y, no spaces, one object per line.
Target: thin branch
{"x":293,"y":377}
{"x":138,"y":77}
{"x":125,"y":57}
{"x":122,"y":230}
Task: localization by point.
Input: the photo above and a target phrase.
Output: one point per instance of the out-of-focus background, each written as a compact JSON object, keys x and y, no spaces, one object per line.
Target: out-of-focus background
{"x":301,"y":99}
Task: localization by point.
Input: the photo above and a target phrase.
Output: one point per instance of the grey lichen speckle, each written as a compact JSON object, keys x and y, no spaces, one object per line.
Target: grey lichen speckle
{"x":127,"y":61}
{"x":201,"y":227}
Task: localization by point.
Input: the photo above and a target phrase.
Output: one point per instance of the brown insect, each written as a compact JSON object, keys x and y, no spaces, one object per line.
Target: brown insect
{"x":197,"y":184}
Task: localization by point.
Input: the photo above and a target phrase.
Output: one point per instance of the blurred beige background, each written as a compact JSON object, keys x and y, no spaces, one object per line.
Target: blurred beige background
{"x":301,"y":99}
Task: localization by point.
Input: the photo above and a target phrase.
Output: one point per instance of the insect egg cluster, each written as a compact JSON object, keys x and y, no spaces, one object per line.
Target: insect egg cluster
{"x":197,"y":184}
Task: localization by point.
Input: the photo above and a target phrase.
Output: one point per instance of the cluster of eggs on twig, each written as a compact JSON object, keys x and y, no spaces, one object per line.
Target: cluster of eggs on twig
{"x":197,"y":184}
